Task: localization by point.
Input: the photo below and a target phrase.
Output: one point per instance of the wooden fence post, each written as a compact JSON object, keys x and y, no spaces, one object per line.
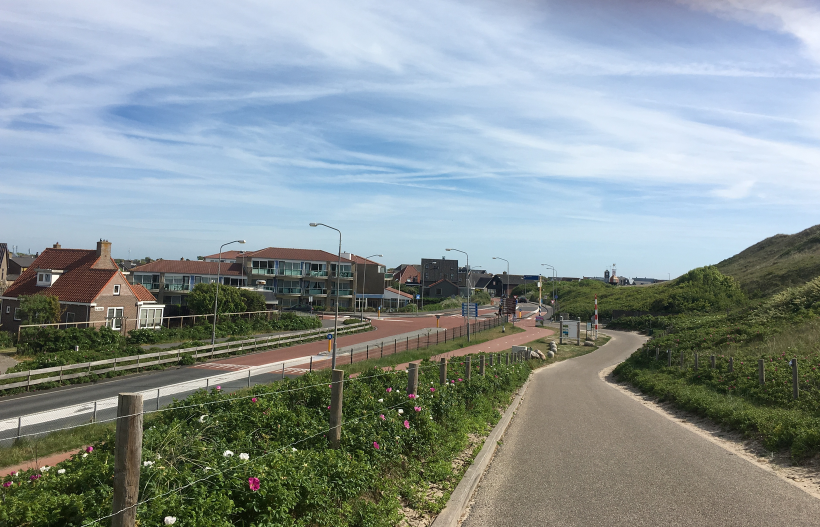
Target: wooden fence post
{"x":468,"y":371}
{"x":795,"y":386}
{"x":127,"y":460}
{"x":412,"y":378}
{"x":336,"y":396}
{"x":442,"y":371}
{"x":481,"y":368}
{"x":761,"y":372}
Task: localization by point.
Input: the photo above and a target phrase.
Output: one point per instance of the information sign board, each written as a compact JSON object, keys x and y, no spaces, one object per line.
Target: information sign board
{"x":570,"y":329}
{"x":531,"y":277}
{"x":469,"y":310}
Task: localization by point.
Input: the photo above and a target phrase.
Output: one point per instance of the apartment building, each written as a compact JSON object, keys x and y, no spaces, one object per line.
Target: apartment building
{"x":171,"y":281}
{"x":301,"y":276}
{"x":373,"y":282}
{"x":89,"y":286}
{"x":433,"y":270}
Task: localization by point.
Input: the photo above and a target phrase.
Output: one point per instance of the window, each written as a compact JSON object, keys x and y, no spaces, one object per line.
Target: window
{"x":116,"y":290}
{"x":426,"y":266}
{"x":148,"y":281}
{"x":114,"y":318}
{"x":290,"y":268}
{"x":16,"y":313}
{"x":451,"y":276}
{"x":438,"y":291}
{"x":151,"y":317}
{"x":8,"y":309}
{"x":69,"y":316}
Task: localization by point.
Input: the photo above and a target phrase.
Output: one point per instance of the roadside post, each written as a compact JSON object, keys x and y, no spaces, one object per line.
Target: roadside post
{"x":795,"y":386}
{"x":442,"y":371}
{"x":127,"y":460}
{"x":336,"y":397}
{"x":438,"y":319}
{"x":761,"y":372}
{"x":329,"y":341}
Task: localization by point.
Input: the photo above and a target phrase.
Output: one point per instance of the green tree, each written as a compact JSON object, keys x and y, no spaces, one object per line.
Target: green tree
{"x":201,"y":299}
{"x":253,"y":301}
{"x":39,"y":309}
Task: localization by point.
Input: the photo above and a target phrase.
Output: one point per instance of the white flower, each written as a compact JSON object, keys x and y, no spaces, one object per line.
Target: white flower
{"x":147,"y":463}
{"x":431,"y":417}
{"x":227,"y":453}
{"x":15,"y":474}
{"x":381,"y":400}
{"x":85,"y":454}
{"x":201,"y":420}
{"x":169,"y":520}
{"x":294,"y":449}
{"x":206,"y":469}
{"x":45,"y":468}
{"x":61,"y":471}
{"x":159,"y":456}
{"x":401,"y":411}
{"x":244,"y":456}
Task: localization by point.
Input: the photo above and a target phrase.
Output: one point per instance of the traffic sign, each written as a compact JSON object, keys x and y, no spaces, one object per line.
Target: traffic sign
{"x":531,"y":277}
{"x":469,"y":310}
{"x":330,"y":336}
{"x":418,"y":296}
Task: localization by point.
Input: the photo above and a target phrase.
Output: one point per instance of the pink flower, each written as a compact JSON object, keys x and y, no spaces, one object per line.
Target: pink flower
{"x":253,"y":483}
{"x":375,"y":445}
{"x":417,"y":408}
{"x":219,"y":387}
{"x":411,"y":396}
{"x":389,"y":390}
{"x":382,"y":417}
{"x":328,"y":407}
{"x":459,"y":380}
{"x":432,"y":389}
{"x":407,"y":425}
{"x":7,"y":484}
{"x":89,"y":449}
{"x":35,"y":477}
{"x":253,"y":400}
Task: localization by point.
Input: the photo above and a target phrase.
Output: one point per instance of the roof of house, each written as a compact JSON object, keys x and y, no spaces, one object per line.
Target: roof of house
{"x":4,"y":249}
{"x":229,"y":255}
{"x":402,"y":293}
{"x":359,"y":260}
{"x":482,"y":282}
{"x":23,"y":261}
{"x":196,"y":267}
{"x":84,"y":275}
{"x":443,"y":280}
{"x":308,"y":255}
{"x":142,"y":294}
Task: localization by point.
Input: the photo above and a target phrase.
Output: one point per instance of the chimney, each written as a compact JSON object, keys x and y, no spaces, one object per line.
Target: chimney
{"x":104,"y":248}
{"x":56,"y":246}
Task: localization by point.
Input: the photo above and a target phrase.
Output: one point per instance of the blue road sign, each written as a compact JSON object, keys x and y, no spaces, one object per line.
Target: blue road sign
{"x":531,"y":277}
{"x":330,"y":336}
{"x":470,"y":309}
{"x":418,"y":296}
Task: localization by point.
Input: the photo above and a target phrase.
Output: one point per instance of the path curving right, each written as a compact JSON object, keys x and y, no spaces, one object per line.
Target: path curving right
{"x":581,"y":453}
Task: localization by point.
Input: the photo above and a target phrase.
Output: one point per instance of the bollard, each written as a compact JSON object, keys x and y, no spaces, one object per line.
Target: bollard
{"x":761,"y":372}
{"x":311,"y":367}
{"x":127,"y":460}
{"x":20,"y":423}
{"x":481,"y":369}
{"x":468,"y":370}
{"x":712,"y":361}
{"x":94,"y":415}
{"x":249,"y":375}
{"x":382,"y":349}
{"x":696,"y":362}
{"x":283,"y":366}
{"x":442,"y":371}
{"x":412,"y":378}
{"x":795,"y":386}
{"x":157,"y":399}
{"x":731,"y":364}
{"x":336,"y":396}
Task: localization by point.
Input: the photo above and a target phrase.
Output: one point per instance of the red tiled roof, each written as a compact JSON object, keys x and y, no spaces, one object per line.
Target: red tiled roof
{"x":307,"y":255}
{"x":190,"y":267}
{"x":440,"y":281}
{"x":142,"y":294}
{"x":360,"y":260}
{"x":80,"y":282}
{"x":402,"y":293}
{"x":230,"y":255}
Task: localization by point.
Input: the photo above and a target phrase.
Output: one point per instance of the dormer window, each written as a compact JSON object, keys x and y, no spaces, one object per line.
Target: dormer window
{"x":116,"y":290}
{"x":43,"y":279}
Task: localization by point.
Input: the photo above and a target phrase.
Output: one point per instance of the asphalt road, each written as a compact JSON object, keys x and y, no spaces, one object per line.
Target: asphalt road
{"x":580,"y":452}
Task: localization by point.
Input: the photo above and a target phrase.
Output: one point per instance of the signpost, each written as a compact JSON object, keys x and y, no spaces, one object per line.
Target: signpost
{"x":469,"y":310}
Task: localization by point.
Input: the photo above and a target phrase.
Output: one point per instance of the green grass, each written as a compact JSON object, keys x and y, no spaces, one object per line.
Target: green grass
{"x":426,"y":353}
{"x":566,"y":351}
{"x":29,"y":448}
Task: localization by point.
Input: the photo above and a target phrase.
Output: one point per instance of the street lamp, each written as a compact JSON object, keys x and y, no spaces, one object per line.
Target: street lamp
{"x":216,"y":297}
{"x":364,"y":276}
{"x":338,"y":272}
{"x":468,"y":289}
{"x":507,"y":290}
{"x":552,"y":300}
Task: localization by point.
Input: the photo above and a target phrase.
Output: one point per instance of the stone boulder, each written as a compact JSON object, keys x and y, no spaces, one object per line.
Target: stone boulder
{"x":537,"y":354}
{"x":550,"y":354}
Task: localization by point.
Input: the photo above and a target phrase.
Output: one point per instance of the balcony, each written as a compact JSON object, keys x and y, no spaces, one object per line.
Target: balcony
{"x":319,"y":274}
{"x":315,"y":292}
{"x":151,"y":287}
{"x":263,"y":271}
{"x":343,"y":292}
{"x":289,"y":290}
{"x":344,"y":274}
{"x":388,"y":276}
{"x":290,"y":272}
{"x":177,"y":287}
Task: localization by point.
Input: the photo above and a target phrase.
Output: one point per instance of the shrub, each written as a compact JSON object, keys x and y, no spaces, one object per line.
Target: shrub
{"x":6,"y":339}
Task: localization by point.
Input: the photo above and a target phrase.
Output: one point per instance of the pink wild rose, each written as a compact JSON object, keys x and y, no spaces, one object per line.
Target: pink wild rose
{"x":375,"y":445}
{"x":382,"y":417}
{"x":89,"y":449}
{"x":407,"y":424}
{"x":389,"y":390}
{"x":253,"y":483}
{"x":253,"y":400}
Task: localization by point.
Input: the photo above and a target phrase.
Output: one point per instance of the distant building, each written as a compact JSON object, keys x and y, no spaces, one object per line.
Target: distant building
{"x":646,"y":281}
{"x":89,"y":286}
{"x":443,"y":288}
{"x":434,"y":270}
{"x":18,"y":265}
{"x":407,"y":274}
{"x":227,"y":256}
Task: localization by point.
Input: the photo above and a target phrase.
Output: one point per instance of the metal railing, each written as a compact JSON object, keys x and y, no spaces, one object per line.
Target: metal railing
{"x":318,"y":273}
{"x":256,"y":270}
{"x":177,"y":287}
{"x":289,"y":290}
{"x":291,"y":272}
{"x":342,"y":292}
{"x":317,"y":291}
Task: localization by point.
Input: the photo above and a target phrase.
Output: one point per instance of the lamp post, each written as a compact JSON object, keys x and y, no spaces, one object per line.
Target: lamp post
{"x":338,"y":272}
{"x":364,"y":276}
{"x":554,"y":304}
{"x":468,"y":289}
{"x":507,"y":290}
{"x":216,"y":297}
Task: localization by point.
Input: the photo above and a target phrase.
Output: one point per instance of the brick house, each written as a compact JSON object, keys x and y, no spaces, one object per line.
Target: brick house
{"x":90,"y":287}
{"x":407,"y":274}
{"x":442,"y":289}
{"x":372,"y":281}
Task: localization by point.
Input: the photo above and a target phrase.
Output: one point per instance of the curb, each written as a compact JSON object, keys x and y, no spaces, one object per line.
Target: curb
{"x":463,"y":493}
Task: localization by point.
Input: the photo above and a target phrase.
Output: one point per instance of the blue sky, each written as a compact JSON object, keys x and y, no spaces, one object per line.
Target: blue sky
{"x":660,"y":136}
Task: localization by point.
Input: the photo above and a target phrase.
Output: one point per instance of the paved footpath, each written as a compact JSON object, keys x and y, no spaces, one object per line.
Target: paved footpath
{"x":580,"y":452}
